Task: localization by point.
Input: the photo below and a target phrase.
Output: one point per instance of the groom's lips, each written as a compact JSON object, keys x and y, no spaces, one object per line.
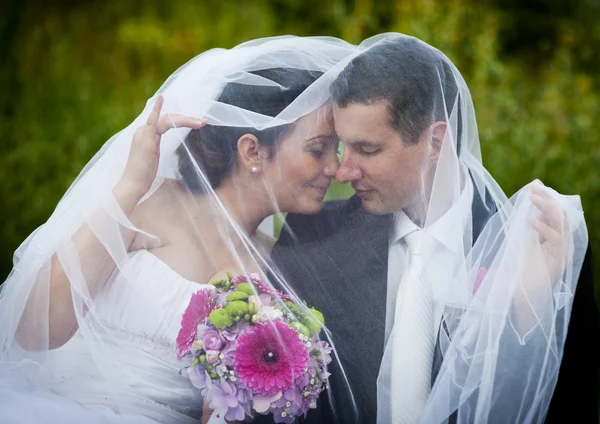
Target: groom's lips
{"x":362,"y":193}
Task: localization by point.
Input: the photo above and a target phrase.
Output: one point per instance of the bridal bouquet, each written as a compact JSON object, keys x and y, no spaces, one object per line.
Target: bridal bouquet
{"x":253,"y":350}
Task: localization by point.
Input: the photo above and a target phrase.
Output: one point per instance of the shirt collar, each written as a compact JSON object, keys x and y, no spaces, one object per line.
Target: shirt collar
{"x":448,"y":229}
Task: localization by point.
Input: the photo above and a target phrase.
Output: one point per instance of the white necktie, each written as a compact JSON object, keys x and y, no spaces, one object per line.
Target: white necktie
{"x":412,"y":337}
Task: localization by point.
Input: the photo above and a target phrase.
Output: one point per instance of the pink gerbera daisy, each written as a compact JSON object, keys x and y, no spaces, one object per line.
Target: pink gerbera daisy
{"x":270,"y":357}
{"x":196,"y":312}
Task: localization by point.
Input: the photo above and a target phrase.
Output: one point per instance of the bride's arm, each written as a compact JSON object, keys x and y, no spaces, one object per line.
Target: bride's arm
{"x":54,"y":287}
{"x":96,"y":265}
{"x":49,"y":319}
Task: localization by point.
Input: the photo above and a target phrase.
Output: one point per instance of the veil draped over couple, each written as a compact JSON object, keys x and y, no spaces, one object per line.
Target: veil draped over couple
{"x":443,"y":299}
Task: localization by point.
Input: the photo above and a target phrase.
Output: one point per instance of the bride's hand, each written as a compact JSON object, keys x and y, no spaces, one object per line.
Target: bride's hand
{"x":144,"y":155}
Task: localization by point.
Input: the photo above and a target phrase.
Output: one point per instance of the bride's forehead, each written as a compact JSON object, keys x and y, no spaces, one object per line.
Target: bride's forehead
{"x":320,"y":119}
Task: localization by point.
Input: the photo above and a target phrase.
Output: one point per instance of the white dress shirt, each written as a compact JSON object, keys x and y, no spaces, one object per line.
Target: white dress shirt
{"x":448,"y":232}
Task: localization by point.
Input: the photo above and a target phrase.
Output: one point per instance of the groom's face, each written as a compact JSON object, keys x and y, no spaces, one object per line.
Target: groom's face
{"x":384,"y":172}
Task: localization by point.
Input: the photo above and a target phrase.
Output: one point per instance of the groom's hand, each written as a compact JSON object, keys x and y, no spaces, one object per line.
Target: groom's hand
{"x":545,"y":261}
{"x":553,"y":231}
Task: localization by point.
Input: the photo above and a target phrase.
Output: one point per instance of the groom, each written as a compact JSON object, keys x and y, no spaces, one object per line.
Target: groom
{"x":339,"y":260}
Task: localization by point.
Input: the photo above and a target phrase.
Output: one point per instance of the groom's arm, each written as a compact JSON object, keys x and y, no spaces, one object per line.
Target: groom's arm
{"x":577,"y":385}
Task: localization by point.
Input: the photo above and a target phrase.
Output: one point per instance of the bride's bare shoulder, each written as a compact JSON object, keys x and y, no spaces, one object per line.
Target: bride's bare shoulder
{"x":156,"y":214}
{"x":160,"y":204}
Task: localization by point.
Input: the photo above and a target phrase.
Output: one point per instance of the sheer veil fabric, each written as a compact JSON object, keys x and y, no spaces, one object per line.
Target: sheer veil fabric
{"x":91,"y":308}
{"x":501,"y":295}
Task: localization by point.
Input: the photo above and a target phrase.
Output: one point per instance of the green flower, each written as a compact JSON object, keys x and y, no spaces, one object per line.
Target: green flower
{"x":300,"y":328}
{"x":219,"y":283}
{"x":292,"y":307}
{"x":221,"y":318}
{"x":237,"y":309}
{"x":222,"y":285}
{"x":237,"y":295}
{"x":313,"y":320}
{"x":247,"y":288}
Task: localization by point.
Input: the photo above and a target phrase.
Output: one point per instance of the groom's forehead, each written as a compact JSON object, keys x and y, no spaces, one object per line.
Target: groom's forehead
{"x":364,"y":125}
{"x":362,"y":117}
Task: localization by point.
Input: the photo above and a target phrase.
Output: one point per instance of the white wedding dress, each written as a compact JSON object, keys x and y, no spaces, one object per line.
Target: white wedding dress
{"x":140,"y":308}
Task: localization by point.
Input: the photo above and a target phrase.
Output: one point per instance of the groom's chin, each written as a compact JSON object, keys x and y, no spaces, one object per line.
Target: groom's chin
{"x":372,"y":205}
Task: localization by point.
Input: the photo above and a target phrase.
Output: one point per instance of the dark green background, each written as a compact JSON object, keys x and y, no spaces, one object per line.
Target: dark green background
{"x":74,"y":73}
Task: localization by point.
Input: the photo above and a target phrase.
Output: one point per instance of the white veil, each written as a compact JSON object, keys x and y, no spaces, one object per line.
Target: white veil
{"x":504,"y":308}
{"x":61,"y":322}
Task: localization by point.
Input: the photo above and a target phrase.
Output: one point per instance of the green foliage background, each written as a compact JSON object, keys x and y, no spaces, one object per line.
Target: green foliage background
{"x":74,"y":73}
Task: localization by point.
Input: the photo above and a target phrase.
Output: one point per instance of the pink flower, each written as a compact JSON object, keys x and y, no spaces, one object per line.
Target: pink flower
{"x":270,"y":357}
{"x":262,"y":287}
{"x":226,"y":397}
{"x":196,"y":313}
{"x":212,"y":340}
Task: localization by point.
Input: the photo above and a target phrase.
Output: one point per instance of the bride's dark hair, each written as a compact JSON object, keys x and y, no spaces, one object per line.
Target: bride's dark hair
{"x":213,"y":149}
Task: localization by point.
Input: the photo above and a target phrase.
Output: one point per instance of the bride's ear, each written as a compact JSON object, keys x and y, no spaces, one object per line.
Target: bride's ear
{"x":249,"y":153}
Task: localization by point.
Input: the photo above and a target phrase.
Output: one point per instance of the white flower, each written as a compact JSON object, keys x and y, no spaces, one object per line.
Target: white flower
{"x":268,"y":313}
{"x":254,"y":302}
{"x":212,"y":356}
{"x":261,"y":403}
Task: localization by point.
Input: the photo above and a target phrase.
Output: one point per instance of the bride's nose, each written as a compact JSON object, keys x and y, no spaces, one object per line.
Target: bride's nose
{"x":331,"y":167}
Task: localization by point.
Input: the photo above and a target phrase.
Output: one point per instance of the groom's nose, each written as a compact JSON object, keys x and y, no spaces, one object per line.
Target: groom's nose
{"x":348,"y":170}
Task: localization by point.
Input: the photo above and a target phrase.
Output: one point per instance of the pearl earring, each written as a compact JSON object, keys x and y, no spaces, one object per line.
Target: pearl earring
{"x":254,"y":169}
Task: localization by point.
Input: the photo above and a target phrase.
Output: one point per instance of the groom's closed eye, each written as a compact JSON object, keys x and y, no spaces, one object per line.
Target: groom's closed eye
{"x":366,"y":148}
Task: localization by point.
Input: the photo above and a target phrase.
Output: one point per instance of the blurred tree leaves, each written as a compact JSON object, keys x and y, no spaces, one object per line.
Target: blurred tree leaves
{"x":75,"y":73}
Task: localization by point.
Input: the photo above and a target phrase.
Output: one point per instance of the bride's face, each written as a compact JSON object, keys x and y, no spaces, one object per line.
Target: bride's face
{"x":304,"y":163}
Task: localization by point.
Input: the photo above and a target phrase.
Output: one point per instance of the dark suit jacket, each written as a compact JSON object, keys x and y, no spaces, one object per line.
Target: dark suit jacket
{"x":336,"y":260}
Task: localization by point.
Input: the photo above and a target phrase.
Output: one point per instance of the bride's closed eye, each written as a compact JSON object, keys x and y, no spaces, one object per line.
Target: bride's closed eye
{"x":319,"y":146}
{"x":318,"y":151}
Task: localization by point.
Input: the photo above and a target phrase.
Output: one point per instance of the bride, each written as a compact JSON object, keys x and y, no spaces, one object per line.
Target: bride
{"x":90,"y":313}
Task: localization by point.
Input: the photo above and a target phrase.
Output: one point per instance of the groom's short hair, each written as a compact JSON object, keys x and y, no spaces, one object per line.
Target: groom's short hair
{"x":410,"y":75}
